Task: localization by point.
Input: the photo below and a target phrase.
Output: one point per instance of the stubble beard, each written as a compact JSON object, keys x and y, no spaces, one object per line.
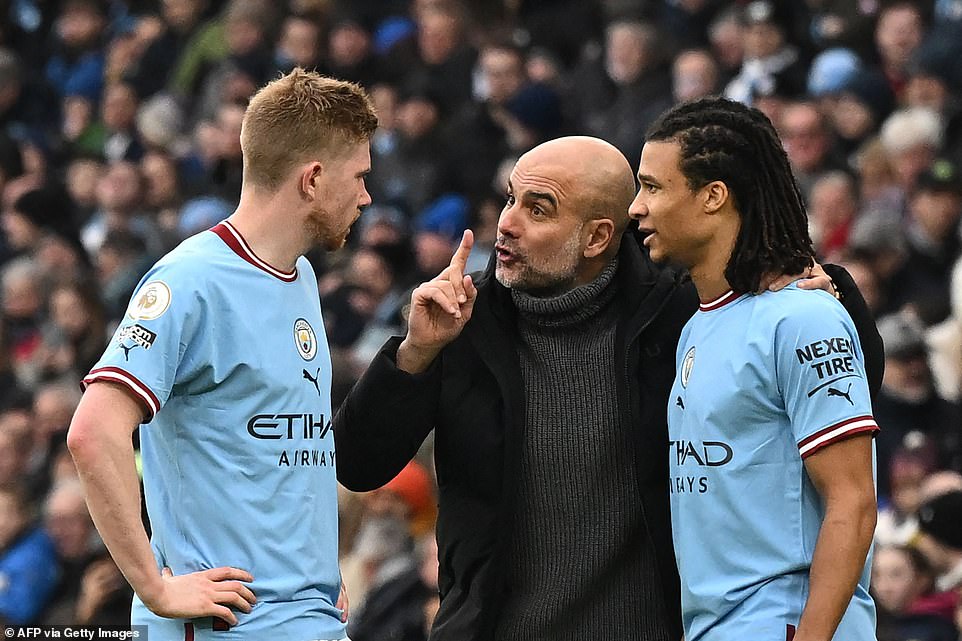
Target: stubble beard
{"x":548,"y":277}
{"x":320,"y":235}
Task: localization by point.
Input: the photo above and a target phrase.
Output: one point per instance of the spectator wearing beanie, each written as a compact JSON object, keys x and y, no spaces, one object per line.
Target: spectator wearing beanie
{"x":36,"y":213}
{"x":940,"y":524}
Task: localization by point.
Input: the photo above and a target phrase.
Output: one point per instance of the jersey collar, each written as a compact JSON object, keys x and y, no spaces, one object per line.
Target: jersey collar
{"x":719,"y":302}
{"x":229,"y":234}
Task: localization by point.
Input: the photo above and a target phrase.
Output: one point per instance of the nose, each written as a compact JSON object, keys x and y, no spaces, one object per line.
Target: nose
{"x":365,"y":197}
{"x":509,"y":223}
{"x":638,"y":209}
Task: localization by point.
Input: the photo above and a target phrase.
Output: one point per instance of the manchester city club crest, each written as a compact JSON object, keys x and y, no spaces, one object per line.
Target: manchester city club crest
{"x":305,"y":339}
{"x":151,"y":301}
{"x":686,"y":366}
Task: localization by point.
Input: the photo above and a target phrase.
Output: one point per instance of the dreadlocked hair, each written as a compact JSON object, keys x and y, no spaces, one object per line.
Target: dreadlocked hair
{"x":724,"y":140}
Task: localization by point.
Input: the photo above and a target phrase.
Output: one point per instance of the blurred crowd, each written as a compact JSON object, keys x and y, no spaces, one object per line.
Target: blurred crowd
{"x":119,"y":137}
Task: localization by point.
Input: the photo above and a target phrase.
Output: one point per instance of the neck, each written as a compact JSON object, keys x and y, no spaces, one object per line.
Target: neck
{"x":264,"y":220}
{"x":571,"y":307}
{"x":708,"y":271}
{"x":592,"y":268}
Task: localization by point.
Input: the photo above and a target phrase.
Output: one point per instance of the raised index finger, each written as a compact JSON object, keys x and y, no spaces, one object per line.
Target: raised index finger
{"x":460,"y":258}
{"x":458,"y":262}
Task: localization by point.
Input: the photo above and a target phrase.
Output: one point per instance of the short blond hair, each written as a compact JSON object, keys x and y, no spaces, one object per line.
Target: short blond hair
{"x":300,"y":116}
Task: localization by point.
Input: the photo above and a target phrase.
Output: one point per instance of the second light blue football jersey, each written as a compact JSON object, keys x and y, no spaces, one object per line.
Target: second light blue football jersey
{"x":762,"y":382}
{"x":229,"y":356}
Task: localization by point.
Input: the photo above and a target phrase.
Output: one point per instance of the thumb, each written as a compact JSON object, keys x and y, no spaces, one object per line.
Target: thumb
{"x":166,"y":572}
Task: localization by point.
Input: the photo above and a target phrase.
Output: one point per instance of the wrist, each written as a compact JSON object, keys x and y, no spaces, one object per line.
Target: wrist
{"x":150,"y":589}
{"x":414,"y":359}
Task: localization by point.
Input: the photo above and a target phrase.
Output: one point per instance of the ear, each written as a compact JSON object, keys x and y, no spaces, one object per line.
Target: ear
{"x":715,"y":196}
{"x":310,"y":175}
{"x":600,"y":232}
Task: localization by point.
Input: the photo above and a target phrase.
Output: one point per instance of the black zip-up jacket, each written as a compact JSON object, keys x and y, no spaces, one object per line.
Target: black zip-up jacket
{"x":473,"y":397}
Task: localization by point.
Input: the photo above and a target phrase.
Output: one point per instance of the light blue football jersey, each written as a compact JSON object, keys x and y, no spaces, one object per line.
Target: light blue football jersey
{"x":762,"y":382}
{"x":230,"y":357}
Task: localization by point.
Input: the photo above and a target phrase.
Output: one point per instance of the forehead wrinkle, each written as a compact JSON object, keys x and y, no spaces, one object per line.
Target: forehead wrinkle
{"x":525,"y":181}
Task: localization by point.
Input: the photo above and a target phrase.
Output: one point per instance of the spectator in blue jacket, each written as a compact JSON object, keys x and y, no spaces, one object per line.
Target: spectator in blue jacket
{"x":28,"y":561}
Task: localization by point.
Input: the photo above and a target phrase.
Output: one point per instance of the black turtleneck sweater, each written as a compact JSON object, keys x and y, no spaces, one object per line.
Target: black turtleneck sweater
{"x":579,"y":564}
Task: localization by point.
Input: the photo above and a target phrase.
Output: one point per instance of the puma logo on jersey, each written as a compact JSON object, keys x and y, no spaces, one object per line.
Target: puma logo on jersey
{"x":834,"y":392}
{"x":139,"y":335}
{"x":313,"y":379}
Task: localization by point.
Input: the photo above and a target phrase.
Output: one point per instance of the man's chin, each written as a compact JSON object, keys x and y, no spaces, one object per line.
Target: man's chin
{"x":656,"y":255}
{"x":503,"y":278}
{"x":334,"y":244}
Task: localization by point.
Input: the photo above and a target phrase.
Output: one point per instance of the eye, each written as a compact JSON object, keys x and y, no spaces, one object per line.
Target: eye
{"x":509,"y":200}
{"x":537,"y":212}
{"x":649,"y":188}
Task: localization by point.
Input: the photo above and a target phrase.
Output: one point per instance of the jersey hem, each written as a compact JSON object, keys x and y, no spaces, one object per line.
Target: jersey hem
{"x":128,"y":380}
{"x":835,"y":433}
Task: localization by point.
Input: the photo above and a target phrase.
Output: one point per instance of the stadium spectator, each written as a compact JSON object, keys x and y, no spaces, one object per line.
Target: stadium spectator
{"x":934,"y":212}
{"x":15,"y":447}
{"x":28,"y":561}
{"x":416,"y":167}
{"x":77,"y":68}
{"x":480,"y":124}
{"x":912,"y":138}
{"x":911,"y":463}
{"x":907,"y":400}
{"x":185,"y":44}
{"x":945,"y":344}
{"x":21,"y":304}
{"x":120,"y":199}
{"x":622,"y":92}
{"x":694,"y":75}
{"x":858,"y":109}
{"x":898,"y":34}
{"x":832,"y":208}
{"x":941,"y":539}
{"x":350,"y":50}
{"x":249,"y":61}
{"x":392,"y":606}
{"x":808,"y":142}
{"x":438,"y":55}
{"x":771,"y":60}
{"x":903,"y":584}
{"x":299,"y":44}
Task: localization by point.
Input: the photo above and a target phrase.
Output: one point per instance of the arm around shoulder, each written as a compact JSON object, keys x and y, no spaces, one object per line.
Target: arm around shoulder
{"x":871,"y":341}
{"x":383,"y":421}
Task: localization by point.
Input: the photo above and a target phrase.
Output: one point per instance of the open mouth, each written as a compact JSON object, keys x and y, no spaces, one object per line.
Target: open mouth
{"x":647,"y":235}
{"x":504,"y":254}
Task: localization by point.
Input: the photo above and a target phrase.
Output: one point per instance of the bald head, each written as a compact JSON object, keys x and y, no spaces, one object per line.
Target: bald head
{"x":595,"y":174}
{"x":565,"y":214}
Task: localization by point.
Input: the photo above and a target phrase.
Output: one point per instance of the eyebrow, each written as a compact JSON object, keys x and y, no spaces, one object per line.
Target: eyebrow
{"x":537,"y":195}
{"x":651,"y":180}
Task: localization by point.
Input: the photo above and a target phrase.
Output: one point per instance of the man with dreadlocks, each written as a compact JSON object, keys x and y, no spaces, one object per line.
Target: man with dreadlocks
{"x":769,"y":418}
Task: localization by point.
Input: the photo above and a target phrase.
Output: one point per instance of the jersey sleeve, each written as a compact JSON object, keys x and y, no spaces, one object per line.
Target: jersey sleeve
{"x":820,"y":373}
{"x":145,"y":353}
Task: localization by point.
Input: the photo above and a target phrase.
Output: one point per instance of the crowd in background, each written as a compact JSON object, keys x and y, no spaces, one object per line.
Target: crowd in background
{"x":119,"y":137}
